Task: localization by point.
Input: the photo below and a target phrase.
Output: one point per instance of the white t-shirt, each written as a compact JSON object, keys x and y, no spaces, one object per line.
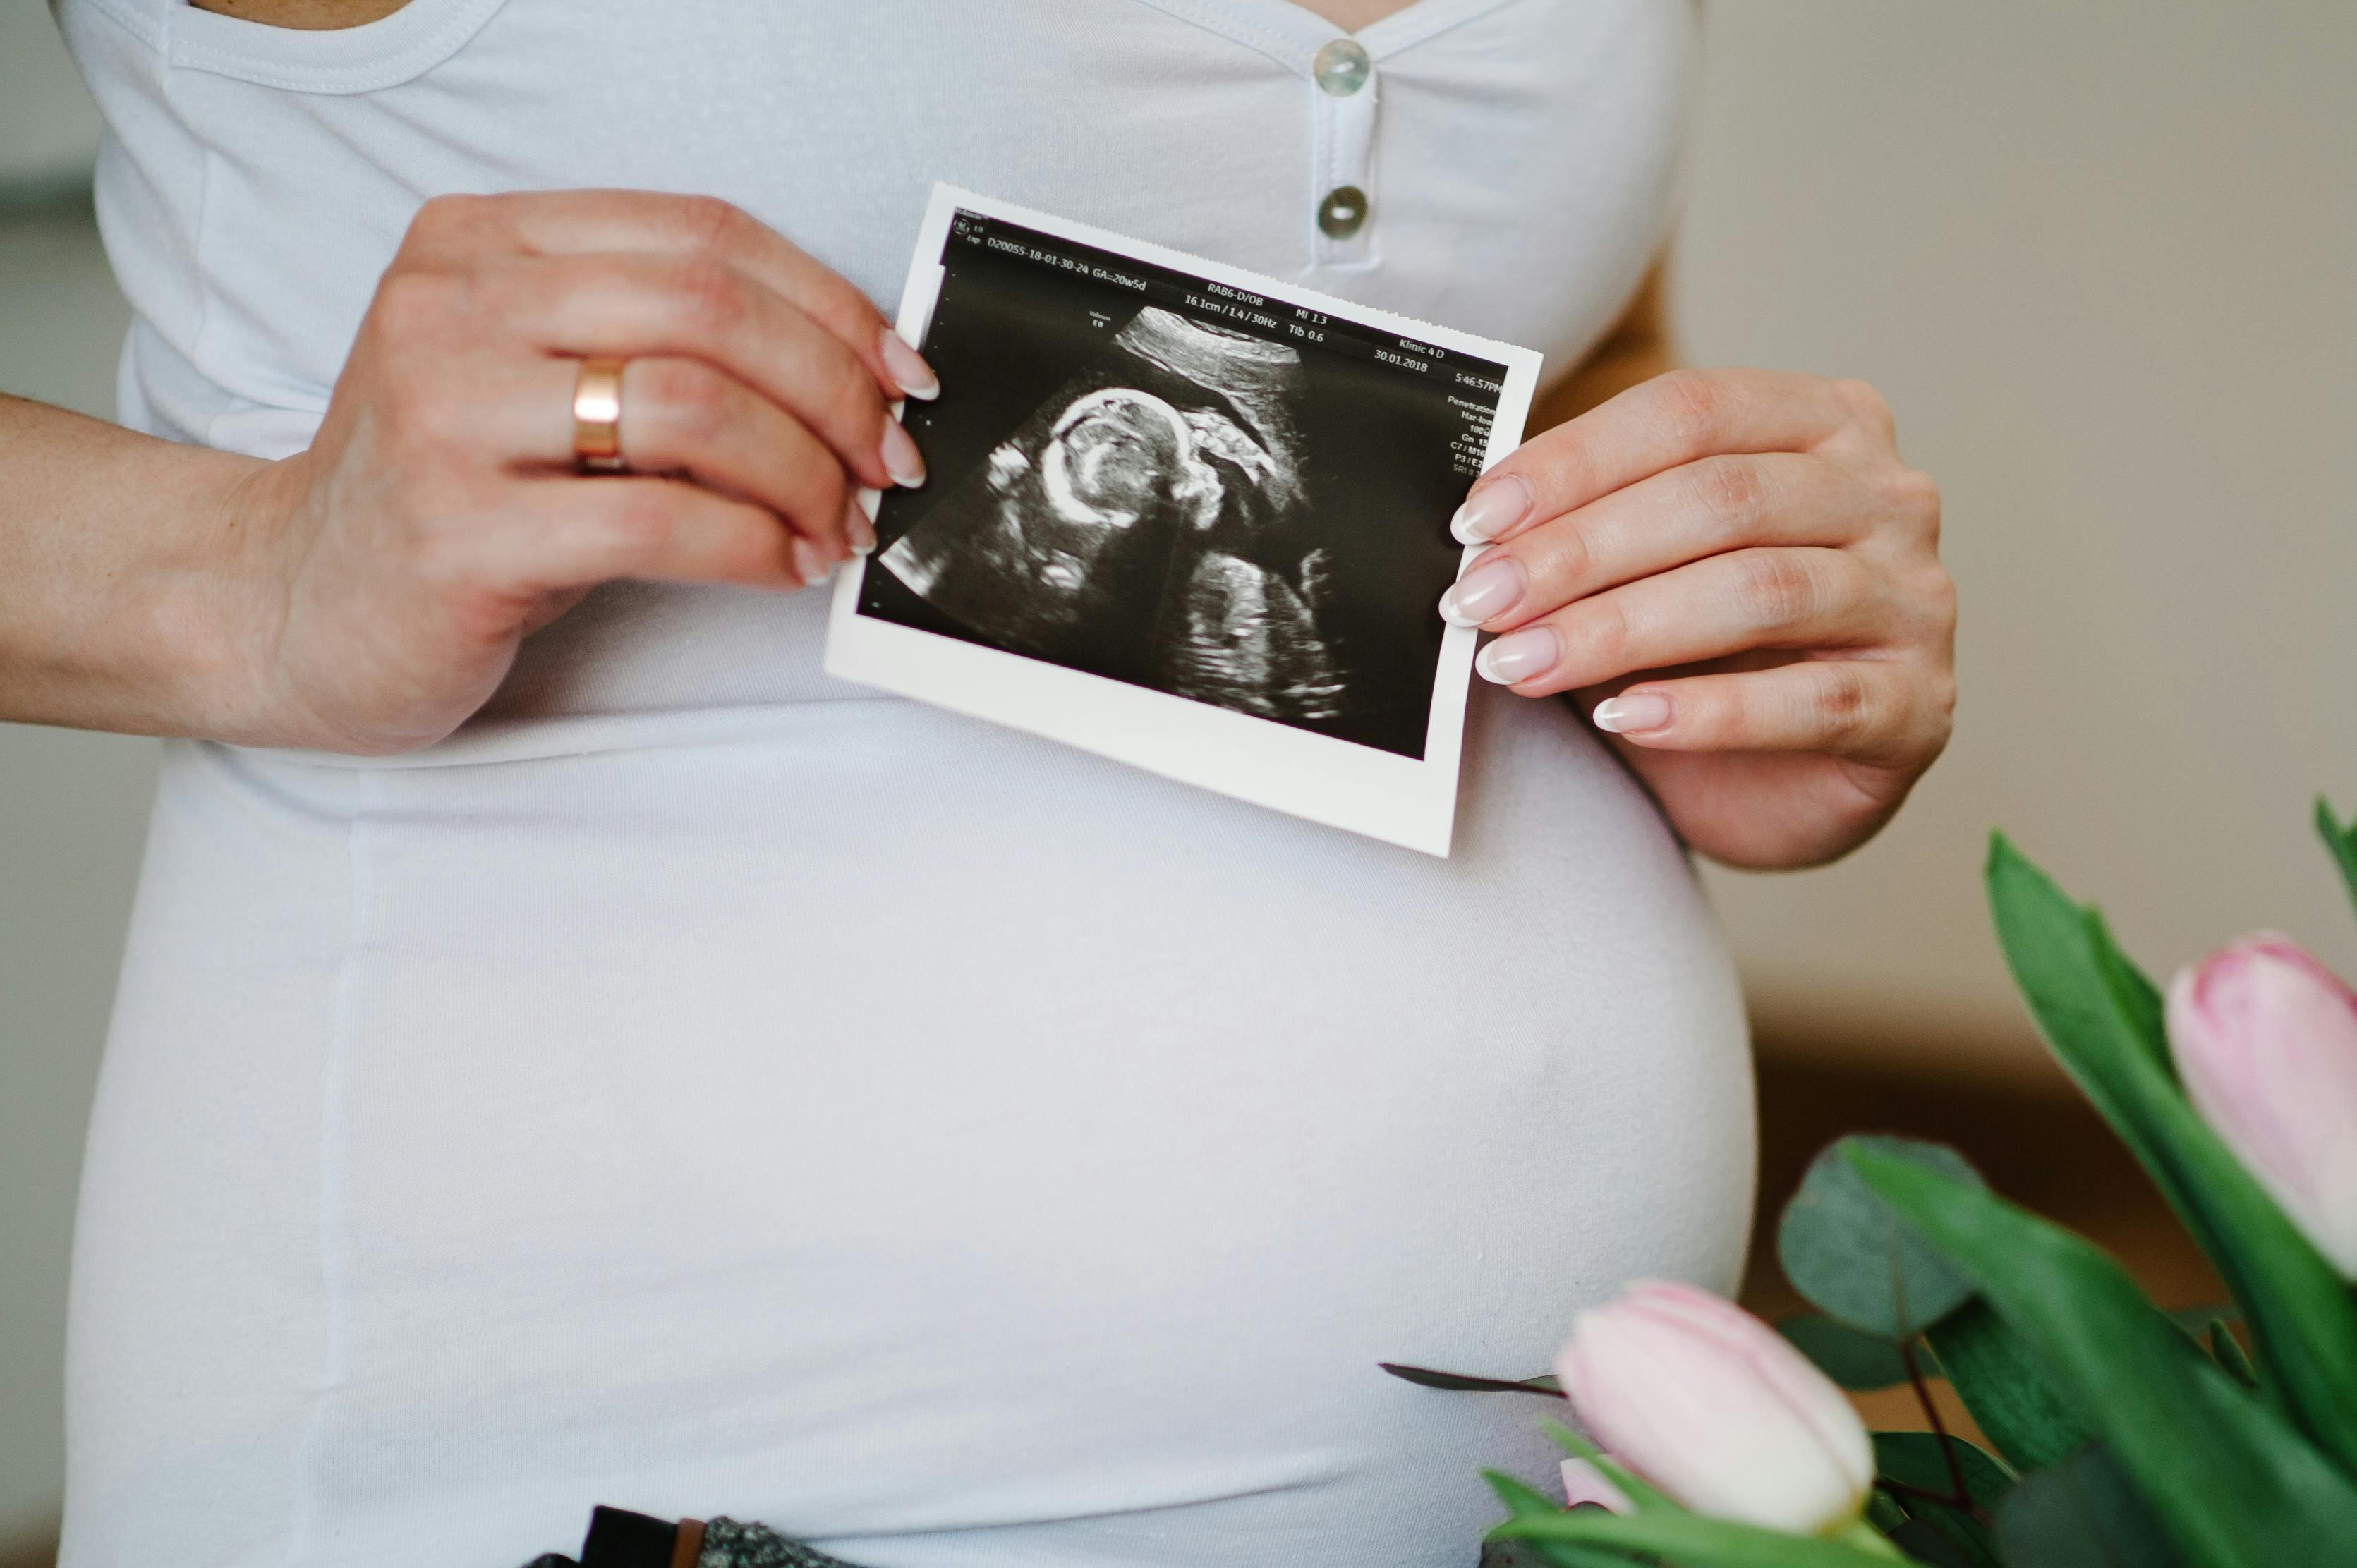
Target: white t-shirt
{"x":704,"y":1087}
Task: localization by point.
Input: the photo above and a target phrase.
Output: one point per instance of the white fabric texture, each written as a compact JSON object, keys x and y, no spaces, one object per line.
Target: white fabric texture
{"x":704,"y":1087}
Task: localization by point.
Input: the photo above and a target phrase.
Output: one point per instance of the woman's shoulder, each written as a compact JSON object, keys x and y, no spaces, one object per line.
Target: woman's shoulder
{"x":305,"y":45}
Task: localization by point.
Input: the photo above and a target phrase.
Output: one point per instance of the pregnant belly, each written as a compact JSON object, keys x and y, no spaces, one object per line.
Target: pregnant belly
{"x":932,"y":1142}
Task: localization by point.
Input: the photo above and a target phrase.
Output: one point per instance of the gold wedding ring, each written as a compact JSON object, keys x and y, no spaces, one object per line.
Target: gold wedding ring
{"x":597,"y":417}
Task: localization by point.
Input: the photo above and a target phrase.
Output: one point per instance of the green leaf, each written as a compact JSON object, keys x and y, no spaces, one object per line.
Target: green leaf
{"x":2234,"y":1484}
{"x":1862,"y":1362}
{"x":1642,"y":1495}
{"x":1520,"y":1496}
{"x":1528,"y":1503}
{"x":2008,"y":1392}
{"x":2097,"y":1019}
{"x":1916,"y":1460}
{"x":2227,"y":1351}
{"x":1524,"y":1502}
{"x":2084,"y":1513}
{"x":2341,"y":839}
{"x":1689,"y":1540}
{"x":1525,"y":1554}
{"x":2195,"y":1320}
{"x":1922,"y":1542}
{"x":1855,"y":1259}
{"x":1517,"y":1554}
{"x":1463,"y":1383}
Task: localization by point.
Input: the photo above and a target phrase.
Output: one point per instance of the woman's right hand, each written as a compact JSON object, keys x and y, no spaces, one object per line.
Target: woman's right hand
{"x":437,"y":518}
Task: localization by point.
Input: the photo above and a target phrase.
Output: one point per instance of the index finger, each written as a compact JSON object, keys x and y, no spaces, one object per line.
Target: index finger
{"x":565,"y":222}
{"x":1652,"y":427}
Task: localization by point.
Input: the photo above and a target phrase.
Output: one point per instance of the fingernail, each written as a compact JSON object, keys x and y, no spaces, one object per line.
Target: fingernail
{"x":810,"y":564}
{"x":908,"y":368}
{"x":1492,"y":510}
{"x":857,"y":527}
{"x":1632,"y":712}
{"x":901,"y":459}
{"x":1519,"y":655}
{"x":1489,"y":590}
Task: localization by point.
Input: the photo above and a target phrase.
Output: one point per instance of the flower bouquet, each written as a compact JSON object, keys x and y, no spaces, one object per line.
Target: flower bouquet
{"x":2119,"y":1435}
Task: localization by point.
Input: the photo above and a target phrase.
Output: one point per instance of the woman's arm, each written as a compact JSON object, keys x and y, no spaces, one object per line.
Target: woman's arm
{"x":119,"y":608}
{"x":367,"y":593}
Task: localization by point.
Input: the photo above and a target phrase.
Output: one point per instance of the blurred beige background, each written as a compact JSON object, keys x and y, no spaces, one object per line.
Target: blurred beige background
{"x":2100,"y":256}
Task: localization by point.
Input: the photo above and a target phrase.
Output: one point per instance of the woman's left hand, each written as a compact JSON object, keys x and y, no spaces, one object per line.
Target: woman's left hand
{"x":1737,"y":578}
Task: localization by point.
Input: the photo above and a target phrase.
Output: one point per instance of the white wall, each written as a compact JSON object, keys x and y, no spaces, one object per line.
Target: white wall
{"x":47,"y":123}
{"x":72,"y":812}
{"x":72,"y":807}
{"x":2101,"y":256}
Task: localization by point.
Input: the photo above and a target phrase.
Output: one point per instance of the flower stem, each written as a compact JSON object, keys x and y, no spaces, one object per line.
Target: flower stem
{"x":1960,"y":1496}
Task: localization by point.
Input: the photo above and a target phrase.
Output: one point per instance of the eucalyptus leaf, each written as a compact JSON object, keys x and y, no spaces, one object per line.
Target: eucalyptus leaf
{"x":2008,"y":1393}
{"x":1923,"y":1543}
{"x":1462,"y":1382}
{"x":2084,"y":1513}
{"x":2234,"y":1484}
{"x":1919,"y":1460}
{"x":2095,"y":1010}
{"x":1852,"y":1255}
{"x":1688,"y":1540}
{"x":1859,"y":1361}
{"x":2341,"y":839}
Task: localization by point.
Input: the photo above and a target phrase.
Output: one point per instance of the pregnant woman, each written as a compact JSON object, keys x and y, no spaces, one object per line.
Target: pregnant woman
{"x":570,"y":1050}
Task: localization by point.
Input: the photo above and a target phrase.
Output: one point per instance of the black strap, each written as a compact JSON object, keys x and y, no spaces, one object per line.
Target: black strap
{"x":620,"y":1539}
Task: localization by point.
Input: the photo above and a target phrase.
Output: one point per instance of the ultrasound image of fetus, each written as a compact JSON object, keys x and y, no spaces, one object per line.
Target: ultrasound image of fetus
{"x":1147,"y":522}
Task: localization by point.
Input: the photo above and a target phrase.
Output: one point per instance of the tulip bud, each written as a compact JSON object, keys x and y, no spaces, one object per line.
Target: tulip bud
{"x":2266,"y":1042}
{"x":1584,"y":1483}
{"x":1716,"y":1409}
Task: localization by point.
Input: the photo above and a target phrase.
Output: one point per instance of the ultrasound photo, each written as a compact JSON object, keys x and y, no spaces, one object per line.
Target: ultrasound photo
{"x":1193,"y":483}
{"x":1148,"y":521}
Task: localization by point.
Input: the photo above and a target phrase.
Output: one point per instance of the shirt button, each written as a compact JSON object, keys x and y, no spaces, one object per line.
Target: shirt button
{"x":1343,"y":67}
{"x":1343,"y":212}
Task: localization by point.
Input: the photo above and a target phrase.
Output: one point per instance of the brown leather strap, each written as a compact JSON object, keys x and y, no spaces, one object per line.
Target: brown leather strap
{"x":687,"y":1549}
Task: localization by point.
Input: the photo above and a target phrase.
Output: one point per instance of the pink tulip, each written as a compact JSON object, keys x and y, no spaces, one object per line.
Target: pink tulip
{"x":1714,"y":1407}
{"x":1584,"y":1483}
{"x":2265,"y":1041}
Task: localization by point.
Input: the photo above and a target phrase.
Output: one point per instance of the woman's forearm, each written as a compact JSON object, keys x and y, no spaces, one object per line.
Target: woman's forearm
{"x":367,"y":593}
{"x":119,"y":603}
{"x":136,"y":598}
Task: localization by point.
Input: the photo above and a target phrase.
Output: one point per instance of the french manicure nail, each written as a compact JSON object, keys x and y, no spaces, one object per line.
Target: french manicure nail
{"x":1519,"y":655}
{"x":1489,"y":590}
{"x":901,"y":459}
{"x":810,"y":564}
{"x":856,"y":528}
{"x":1632,"y":713}
{"x":908,"y":368}
{"x":1492,"y":510}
